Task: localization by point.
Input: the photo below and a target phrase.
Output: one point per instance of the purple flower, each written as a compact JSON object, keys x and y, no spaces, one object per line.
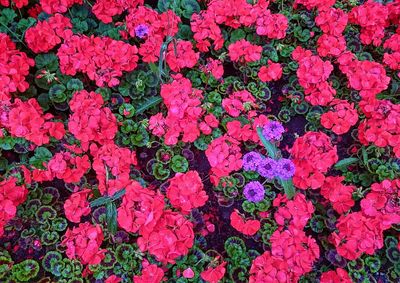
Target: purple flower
{"x":285,"y":168}
{"x":267,"y":168}
{"x":254,"y":191}
{"x":273,"y":130}
{"x":251,"y":161}
{"x":141,"y":30}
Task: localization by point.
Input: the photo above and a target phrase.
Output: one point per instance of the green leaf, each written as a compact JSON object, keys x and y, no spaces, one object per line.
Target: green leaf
{"x":149,"y":103}
{"x":288,"y":188}
{"x":345,"y":162}
{"x":42,"y":155}
{"x":100,"y":201}
{"x":118,"y":194}
{"x":7,"y":16}
{"x":47,"y":61}
{"x":111,"y":217}
{"x":237,"y":35}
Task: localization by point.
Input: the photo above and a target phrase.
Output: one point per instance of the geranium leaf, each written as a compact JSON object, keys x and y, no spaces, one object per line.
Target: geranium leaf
{"x":345,"y":162}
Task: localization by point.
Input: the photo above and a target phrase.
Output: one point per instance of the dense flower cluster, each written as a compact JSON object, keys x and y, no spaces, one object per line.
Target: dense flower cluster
{"x":140,"y":209}
{"x":313,"y":74}
{"x":224,"y":156}
{"x":292,"y":255}
{"x":172,"y":237}
{"x":77,"y":205}
{"x":101,"y":58}
{"x":64,"y":166}
{"x":112,"y":165}
{"x":380,"y":125}
{"x":392,"y":58}
{"x":184,"y":113}
{"x":90,"y":122}
{"x":338,"y":275}
{"x":26,"y":119}
{"x":181,"y":55}
{"x":11,"y":195}
{"x":185,"y":192}
{"x":272,"y":72}
{"x":58,"y":6}
{"x":152,"y":27}
{"x":83,"y":243}
{"x":341,"y":118}
{"x":368,"y":77}
{"x":238,"y":102}
{"x":339,"y":195}
{"x":14,"y":68}
{"x":372,"y":18}
{"x":18,"y":3}
{"x":312,"y":154}
{"x":244,"y":51}
{"x":105,"y":9}
{"x":295,"y":212}
{"x":45,"y":35}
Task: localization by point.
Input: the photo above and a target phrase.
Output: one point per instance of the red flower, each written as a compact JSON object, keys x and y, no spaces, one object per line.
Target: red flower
{"x":171,"y":238}
{"x":332,"y":21}
{"x":342,"y":117}
{"x":113,"y":279}
{"x":237,"y":102}
{"x":89,"y":120}
{"x":77,"y":206}
{"x":186,"y":191}
{"x":103,"y":59}
{"x":140,"y":210}
{"x":181,"y":55}
{"x":295,"y":212}
{"x":271,"y":73}
{"x":224,"y":156}
{"x":11,"y":196}
{"x":244,"y":51}
{"x":58,"y":6}
{"x":335,"y":276}
{"x":340,"y":196}
{"x":150,"y":274}
{"x":214,"y":274}
{"x":312,"y":154}
{"x":83,"y":243}
{"x":270,"y":269}
{"x":15,"y":67}
{"x":247,"y":227}
{"x":47,"y":34}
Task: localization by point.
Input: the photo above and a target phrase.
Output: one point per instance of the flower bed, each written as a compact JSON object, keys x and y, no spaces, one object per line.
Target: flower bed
{"x":199,"y":141}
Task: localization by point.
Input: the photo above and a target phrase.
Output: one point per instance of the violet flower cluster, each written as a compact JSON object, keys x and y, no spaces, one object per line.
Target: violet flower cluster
{"x":267,"y":167}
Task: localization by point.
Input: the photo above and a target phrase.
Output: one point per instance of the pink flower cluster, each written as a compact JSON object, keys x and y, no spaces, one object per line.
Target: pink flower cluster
{"x":64,"y":166}
{"x":373,"y":18}
{"x":380,"y":126}
{"x":77,"y":205}
{"x":58,"y":6}
{"x":112,"y":165}
{"x":341,"y":117}
{"x":155,"y":28}
{"x":45,"y":35}
{"x":186,"y":191}
{"x":11,"y":195}
{"x":83,"y":243}
{"x":26,"y":120}
{"x":238,"y":102}
{"x":338,"y":194}
{"x":104,"y":10}
{"x":224,"y":156}
{"x":90,"y":121}
{"x":185,"y":113}
{"x":368,"y":77}
{"x":244,"y":52}
{"x":103,"y":59}
{"x":313,"y":74}
{"x":14,"y":68}
{"x":392,"y":58}
{"x":313,"y":154}
{"x":181,"y":55}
